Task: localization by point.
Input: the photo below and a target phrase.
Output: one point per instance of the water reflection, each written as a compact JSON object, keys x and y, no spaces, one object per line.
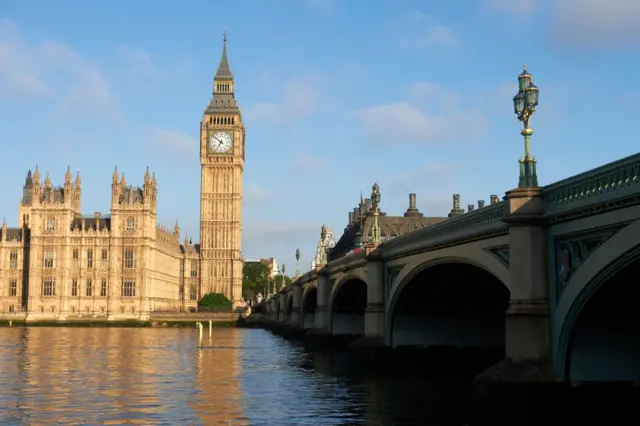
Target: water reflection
{"x":241,"y":377}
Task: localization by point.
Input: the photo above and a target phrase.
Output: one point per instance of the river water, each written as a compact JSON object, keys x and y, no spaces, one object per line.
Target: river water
{"x":159,"y":376}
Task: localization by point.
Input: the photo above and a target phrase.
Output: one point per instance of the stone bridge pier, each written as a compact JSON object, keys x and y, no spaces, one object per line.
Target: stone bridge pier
{"x":543,"y":283}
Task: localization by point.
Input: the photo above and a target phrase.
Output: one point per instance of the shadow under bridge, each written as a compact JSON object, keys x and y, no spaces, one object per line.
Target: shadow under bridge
{"x":347,"y":313}
{"x":449,"y":304}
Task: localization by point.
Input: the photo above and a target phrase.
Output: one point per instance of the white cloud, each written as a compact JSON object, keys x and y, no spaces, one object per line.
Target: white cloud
{"x":254,"y":194}
{"x":51,"y":69}
{"x":518,"y":8}
{"x":436,"y":36}
{"x":424,"y":32}
{"x":138,"y":62}
{"x":302,"y":97}
{"x":433,"y":94}
{"x":402,"y":122}
{"x":597,"y":24}
{"x":173,"y":142}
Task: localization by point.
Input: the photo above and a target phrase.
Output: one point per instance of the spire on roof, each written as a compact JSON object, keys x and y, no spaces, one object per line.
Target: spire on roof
{"x":224,"y":71}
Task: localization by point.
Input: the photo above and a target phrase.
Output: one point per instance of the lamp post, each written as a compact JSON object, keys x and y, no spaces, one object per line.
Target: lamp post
{"x":375,"y":200}
{"x":524,"y":105}
{"x":297,"y":262}
{"x":282,"y":273}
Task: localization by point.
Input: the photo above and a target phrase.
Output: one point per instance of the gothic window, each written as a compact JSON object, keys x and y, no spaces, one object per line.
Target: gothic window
{"x":89,"y":258}
{"x":131,"y":224}
{"x":76,"y":257}
{"x":129,"y":258}
{"x":194,"y":269}
{"x":13,"y":259}
{"x":104,"y":258}
{"x":129,"y":288}
{"x":13,"y":288}
{"x":49,"y":286}
{"x":103,"y":288}
{"x":193,"y":291}
{"x":89,"y":289}
{"x":74,"y":287}
{"x":49,"y":258}
{"x":50,"y":224}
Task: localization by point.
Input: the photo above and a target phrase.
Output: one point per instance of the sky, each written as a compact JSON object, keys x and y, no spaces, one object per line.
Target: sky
{"x":336,"y":95}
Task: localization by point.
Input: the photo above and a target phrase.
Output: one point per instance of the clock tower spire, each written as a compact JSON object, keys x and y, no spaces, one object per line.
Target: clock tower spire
{"x":223,"y":85}
{"x":222,"y":166}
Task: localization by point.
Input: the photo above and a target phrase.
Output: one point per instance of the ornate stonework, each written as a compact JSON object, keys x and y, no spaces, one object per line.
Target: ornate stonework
{"x":60,"y":264}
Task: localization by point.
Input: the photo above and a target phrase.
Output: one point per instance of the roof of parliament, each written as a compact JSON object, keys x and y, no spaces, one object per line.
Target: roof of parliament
{"x":358,"y":230}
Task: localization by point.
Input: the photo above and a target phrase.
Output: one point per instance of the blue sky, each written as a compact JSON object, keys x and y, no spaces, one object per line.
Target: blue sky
{"x":336,"y":95}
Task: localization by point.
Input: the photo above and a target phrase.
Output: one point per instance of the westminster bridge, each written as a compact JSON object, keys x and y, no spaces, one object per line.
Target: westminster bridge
{"x":549,"y":275}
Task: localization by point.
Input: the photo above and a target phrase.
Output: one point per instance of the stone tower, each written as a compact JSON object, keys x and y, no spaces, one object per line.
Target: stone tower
{"x":222,"y":163}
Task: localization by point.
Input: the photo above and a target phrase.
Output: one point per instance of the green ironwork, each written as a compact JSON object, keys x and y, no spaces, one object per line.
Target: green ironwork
{"x":391,"y":275}
{"x":502,"y":253}
{"x":323,"y":247}
{"x":615,"y":181}
{"x":524,"y":104}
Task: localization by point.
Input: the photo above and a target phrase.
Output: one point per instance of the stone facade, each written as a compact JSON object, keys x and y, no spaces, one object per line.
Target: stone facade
{"x":123,"y":265}
{"x":61,"y":264}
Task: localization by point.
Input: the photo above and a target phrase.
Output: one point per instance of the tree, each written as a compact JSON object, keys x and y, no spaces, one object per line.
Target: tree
{"x":215,"y":301}
{"x":279,"y":281}
{"x":255,"y":277}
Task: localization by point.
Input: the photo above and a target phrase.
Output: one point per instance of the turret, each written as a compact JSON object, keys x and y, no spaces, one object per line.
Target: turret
{"x":77,"y":193}
{"x":27,"y":190}
{"x":67,"y":178}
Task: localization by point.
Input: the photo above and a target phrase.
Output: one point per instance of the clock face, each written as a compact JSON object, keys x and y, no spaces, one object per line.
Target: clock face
{"x":220,"y":142}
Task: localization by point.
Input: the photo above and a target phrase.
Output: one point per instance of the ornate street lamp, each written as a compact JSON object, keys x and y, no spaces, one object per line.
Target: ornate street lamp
{"x":297,"y":262}
{"x":282,"y":283}
{"x":375,"y":200}
{"x":524,"y":105}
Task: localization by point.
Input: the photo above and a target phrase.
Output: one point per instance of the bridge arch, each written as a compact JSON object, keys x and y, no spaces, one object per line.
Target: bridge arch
{"x":309,"y":305}
{"x":449,"y":301}
{"x":596,"y":324}
{"x":347,"y":305}
{"x":288,"y":307}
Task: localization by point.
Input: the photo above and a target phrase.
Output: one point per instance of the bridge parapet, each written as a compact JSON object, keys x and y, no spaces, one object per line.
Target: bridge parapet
{"x":613,"y":182}
{"x":481,"y":223}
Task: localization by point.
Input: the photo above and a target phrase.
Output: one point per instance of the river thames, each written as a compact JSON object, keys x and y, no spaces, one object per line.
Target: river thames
{"x":148,"y":376}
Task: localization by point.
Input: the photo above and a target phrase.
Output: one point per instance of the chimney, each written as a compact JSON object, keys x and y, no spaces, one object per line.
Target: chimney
{"x":470,"y":208}
{"x":412,"y":211}
{"x":367,"y":205}
{"x":494,"y":199}
{"x":456,"y":210}
{"x":351,"y":218}
{"x":480,"y":204}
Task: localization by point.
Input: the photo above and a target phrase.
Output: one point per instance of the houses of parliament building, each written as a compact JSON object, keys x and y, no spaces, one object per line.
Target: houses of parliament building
{"x":59,"y":263}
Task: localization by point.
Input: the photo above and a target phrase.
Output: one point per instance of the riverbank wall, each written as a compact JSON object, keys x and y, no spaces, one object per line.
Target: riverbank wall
{"x":156,"y":320}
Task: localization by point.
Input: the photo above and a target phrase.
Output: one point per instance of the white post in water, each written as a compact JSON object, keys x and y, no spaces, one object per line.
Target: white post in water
{"x":210,"y":329}
{"x":10,"y":324}
{"x":200,"y":330}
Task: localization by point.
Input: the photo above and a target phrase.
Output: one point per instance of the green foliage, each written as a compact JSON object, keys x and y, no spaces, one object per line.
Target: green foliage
{"x":279,"y":281}
{"x":217,"y":301}
{"x":255,"y":278}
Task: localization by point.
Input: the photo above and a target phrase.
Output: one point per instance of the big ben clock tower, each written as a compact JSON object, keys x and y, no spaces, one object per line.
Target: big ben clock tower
{"x":222,"y":164}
